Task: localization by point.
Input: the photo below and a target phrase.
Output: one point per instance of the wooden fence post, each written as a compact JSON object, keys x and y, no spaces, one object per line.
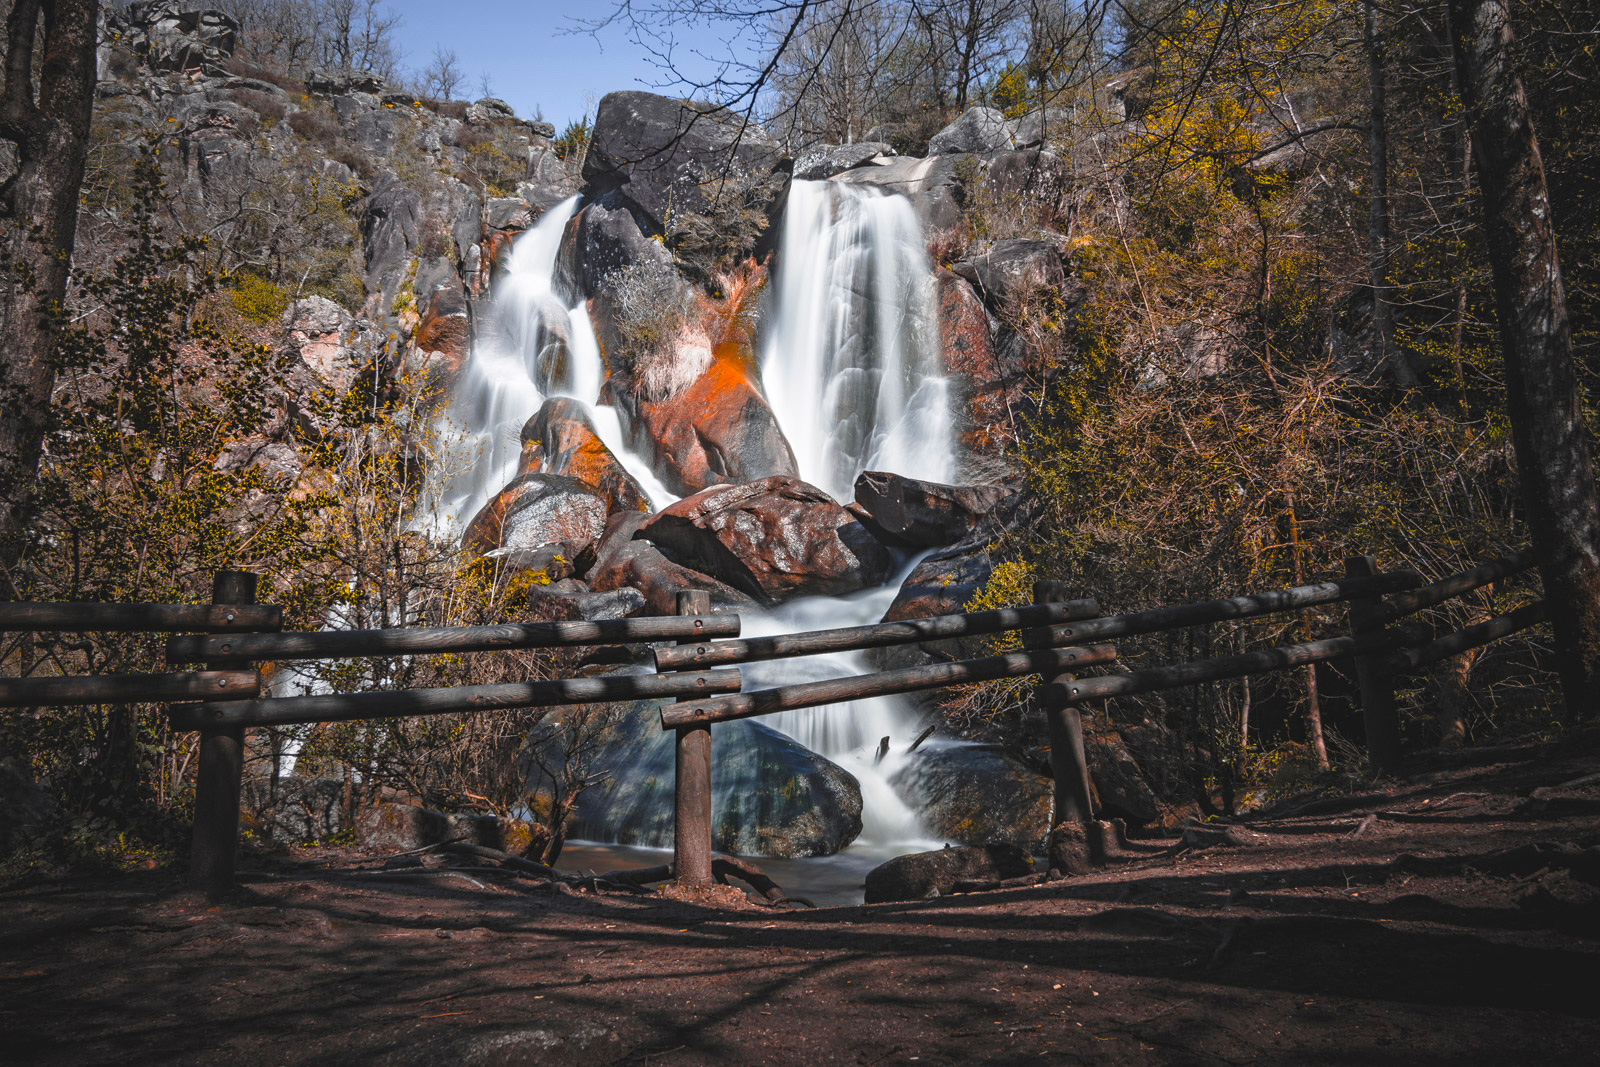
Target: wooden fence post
{"x":691,"y":788}
{"x":221,"y":770}
{"x":1378,"y":711}
{"x":1075,"y":843}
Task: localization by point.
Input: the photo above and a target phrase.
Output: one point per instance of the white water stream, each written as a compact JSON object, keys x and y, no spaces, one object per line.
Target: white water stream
{"x":851,"y":364}
{"x":851,"y":361}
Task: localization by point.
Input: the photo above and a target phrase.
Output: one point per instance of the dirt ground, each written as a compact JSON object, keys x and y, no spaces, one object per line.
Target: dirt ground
{"x":1452,"y":917}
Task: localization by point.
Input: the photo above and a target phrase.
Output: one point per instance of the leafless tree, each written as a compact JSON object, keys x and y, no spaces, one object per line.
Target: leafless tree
{"x":442,"y":76}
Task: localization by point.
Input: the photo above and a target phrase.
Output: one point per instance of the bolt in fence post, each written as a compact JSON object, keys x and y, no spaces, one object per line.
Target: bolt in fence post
{"x":1075,"y":842}
{"x":691,"y":833}
{"x":221,"y":770}
{"x":1378,"y":711}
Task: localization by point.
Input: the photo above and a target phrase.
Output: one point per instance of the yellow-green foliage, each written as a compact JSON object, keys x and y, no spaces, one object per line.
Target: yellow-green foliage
{"x":257,"y":299}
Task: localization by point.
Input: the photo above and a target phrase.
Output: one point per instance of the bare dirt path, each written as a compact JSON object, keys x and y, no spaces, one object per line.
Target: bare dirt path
{"x":1449,"y":918}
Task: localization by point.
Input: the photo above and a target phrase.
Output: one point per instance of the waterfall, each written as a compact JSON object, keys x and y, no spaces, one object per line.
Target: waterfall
{"x":533,"y":343}
{"x":851,"y":360}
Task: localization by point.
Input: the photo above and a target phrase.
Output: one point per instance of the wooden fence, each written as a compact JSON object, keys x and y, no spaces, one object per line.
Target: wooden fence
{"x":1058,"y":638}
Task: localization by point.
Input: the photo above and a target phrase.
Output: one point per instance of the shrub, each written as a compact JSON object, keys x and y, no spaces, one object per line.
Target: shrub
{"x":318,"y":128}
{"x":240,"y":68}
{"x":258,"y":299}
{"x":266,"y":105}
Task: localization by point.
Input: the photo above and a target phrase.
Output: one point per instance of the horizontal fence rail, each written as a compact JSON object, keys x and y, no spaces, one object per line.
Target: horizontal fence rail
{"x":1150,"y":679}
{"x":398,"y":703}
{"x":883,"y":683}
{"x":880,"y":635}
{"x":1409,"y":603}
{"x":141,"y":618}
{"x":128,"y":688}
{"x":1237,"y":607}
{"x":1412,"y":659}
{"x":337,"y":644}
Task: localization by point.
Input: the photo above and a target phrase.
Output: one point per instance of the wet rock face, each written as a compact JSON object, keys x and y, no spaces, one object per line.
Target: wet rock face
{"x":720,"y":430}
{"x":538,"y":509}
{"x":977,"y":795}
{"x":776,"y":539}
{"x":770,"y":796}
{"x":989,"y":389}
{"x":920,"y":514}
{"x":561,"y":439}
{"x":657,"y":151}
{"x":980,"y":129}
{"x":622,"y":562}
{"x":925,"y":874}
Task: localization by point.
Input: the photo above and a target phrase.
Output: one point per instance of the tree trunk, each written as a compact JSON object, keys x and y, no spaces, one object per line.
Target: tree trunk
{"x":39,"y":216}
{"x":1554,"y":457}
{"x":1389,"y":354}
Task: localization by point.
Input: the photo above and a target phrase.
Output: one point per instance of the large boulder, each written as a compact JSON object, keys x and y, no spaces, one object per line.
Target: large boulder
{"x":976,"y":795}
{"x":321,"y":330}
{"x":776,"y":539}
{"x":770,"y":796}
{"x":600,"y":241}
{"x":621,"y":562}
{"x":927,"y":874}
{"x":538,"y":509}
{"x":561,"y":439}
{"x":825,"y":160}
{"x":718,"y":430}
{"x":980,"y":129}
{"x":660,"y":152}
{"x":920,"y":514}
{"x":1041,"y":126}
{"x":1015,"y":269}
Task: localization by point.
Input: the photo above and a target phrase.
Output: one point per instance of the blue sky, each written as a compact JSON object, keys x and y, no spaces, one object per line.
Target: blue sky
{"x":532,"y":54}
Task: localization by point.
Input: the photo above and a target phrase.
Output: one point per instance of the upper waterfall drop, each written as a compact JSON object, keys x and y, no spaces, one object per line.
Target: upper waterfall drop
{"x":851,"y":361}
{"x":531,"y":346}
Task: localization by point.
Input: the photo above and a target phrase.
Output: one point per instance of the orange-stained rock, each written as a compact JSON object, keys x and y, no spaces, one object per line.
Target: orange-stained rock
{"x":443,"y":339}
{"x":776,"y":539}
{"x":990,"y":391}
{"x":718,"y":430}
{"x":561,"y":439}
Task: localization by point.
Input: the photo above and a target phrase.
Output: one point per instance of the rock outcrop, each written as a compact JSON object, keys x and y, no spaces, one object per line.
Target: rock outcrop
{"x":720,"y":430}
{"x":775,"y":539}
{"x":659,"y":153}
{"x":979,"y":129}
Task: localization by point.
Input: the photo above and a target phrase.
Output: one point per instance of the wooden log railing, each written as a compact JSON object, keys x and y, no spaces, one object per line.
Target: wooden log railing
{"x":1058,"y":638}
{"x":1059,"y":650}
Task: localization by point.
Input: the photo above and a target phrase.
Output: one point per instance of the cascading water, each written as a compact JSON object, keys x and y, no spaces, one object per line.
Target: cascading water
{"x":535,"y":344}
{"x":851,"y":361}
{"x":851,"y":364}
